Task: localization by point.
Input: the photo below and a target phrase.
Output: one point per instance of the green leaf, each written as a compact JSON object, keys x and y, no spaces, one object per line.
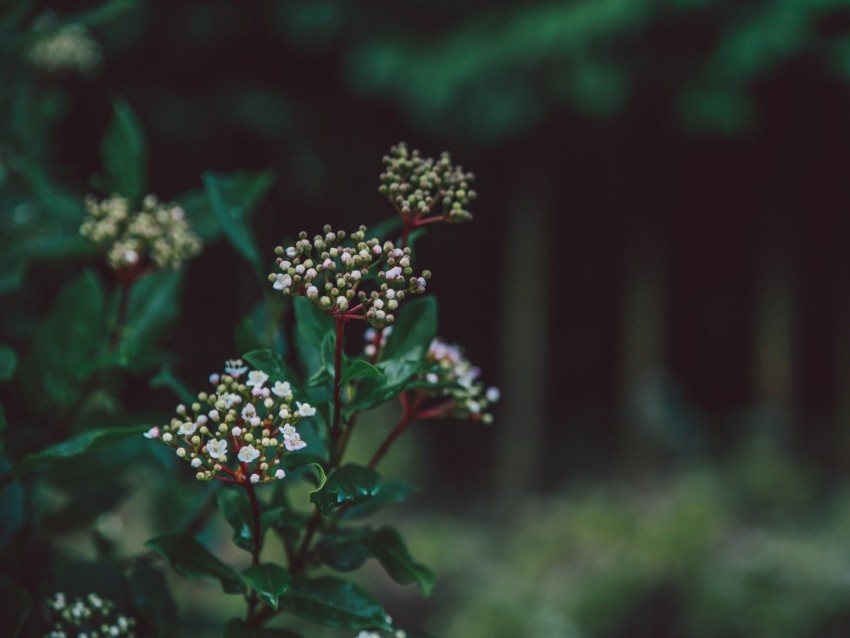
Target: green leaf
{"x":167,"y":379}
{"x":389,"y":548}
{"x":269,"y":581}
{"x":327,"y":350}
{"x":152,"y":307}
{"x":236,"y":510}
{"x":8,"y":362}
{"x":124,"y":153}
{"x":335,"y":603}
{"x":192,"y":560}
{"x":236,"y":628}
{"x":349,"y":484}
{"x":407,"y":345}
{"x":84,"y":442}
{"x":344,"y":549}
{"x":387,"y":229}
{"x":72,"y":336}
{"x":360,"y":369}
{"x":15,"y":606}
{"x":297,"y":464}
{"x":390,"y":493}
{"x":231,"y":200}
{"x":12,"y":507}
{"x":311,"y":325}
{"x":268,"y":362}
{"x":152,"y":598}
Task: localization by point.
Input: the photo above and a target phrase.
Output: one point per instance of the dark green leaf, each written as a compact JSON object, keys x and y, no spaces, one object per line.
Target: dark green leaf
{"x":236,"y":510}
{"x":269,"y":581}
{"x":386,"y":229}
{"x":271,"y":364}
{"x":231,"y":200}
{"x":12,"y":508}
{"x":236,"y":628}
{"x":167,"y":379}
{"x":305,"y":465}
{"x":8,"y":362}
{"x":124,"y":153}
{"x":84,"y":442}
{"x":388,"y":547}
{"x":152,"y":598}
{"x":326,"y":372}
{"x":3,"y":422}
{"x":407,"y":345}
{"x":334,"y":603}
{"x":345,"y":549}
{"x":192,"y":560}
{"x":311,"y":325}
{"x":71,"y":336}
{"x":15,"y":606}
{"x":152,"y":307}
{"x":360,"y":369}
{"x":349,"y":484}
{"x":84,"y":505}
{"x":390,"y":493}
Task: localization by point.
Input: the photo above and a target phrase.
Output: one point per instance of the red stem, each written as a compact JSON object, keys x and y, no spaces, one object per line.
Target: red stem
{"x":395,"y":433}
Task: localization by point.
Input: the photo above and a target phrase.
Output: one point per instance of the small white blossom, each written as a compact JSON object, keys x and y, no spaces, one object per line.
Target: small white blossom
{"x":305,"y":409}
{"x":217,"y":449}
{"x":294,"y":442}
{"x":282,"y":281}
{"x":255,"y":478}
{"x":153,"y":433}
{"x":234,"y":368}
{"x":282,"y":389}
{"x":257,"y":378}
{"x":214,"y":379}
{"x":248,"y":454}
{"x":493,"y":394}
{"x":279,"y":474}
{"x":236,"y":431}
{"x":196,"y":462}
{"x":187,"y":429}
{"x":393,"y":274}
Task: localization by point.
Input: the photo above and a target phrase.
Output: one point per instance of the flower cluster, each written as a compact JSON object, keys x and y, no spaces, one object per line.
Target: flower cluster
{"x":92,"y":617}
{"x":158,"y":233}
{"x":420,"y":187}
{"x":247,"y":422}
{"x":65,"y":48}
{"x":333,"y":275}
{"x":450,"y":374}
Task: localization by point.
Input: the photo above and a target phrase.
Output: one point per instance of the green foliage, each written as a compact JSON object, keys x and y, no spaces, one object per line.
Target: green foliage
{"x":335,"y":603}
{"x":269,"y":581}
{"x":192,"y":560}
{"x":349,"y":484}
{"x":124,"y":154}
{"x":85,"y":442}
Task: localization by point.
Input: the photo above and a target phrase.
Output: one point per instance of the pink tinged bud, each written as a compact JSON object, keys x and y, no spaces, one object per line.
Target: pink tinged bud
{"x":237,"y":431}
{"x":153,"y":433}
{"x":279,"y":474}
{"x":255,"y":478}
{"x":328,"y":264}
{"x":214,"y":379}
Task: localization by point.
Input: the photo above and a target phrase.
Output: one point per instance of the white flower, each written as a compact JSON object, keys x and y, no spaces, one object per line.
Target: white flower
{"x":217,"y":449}
{"x":196,"y":462}
{"x":187,"y":429}
{"x":131,"y":256}
{"x":493,"y":394}
{"x":230,"y":399}
{"x":294,"y":442}
{"x":153,"y":433}
{"x":279,"y":474}
{"x":234,"y":368}
{"x":255,"y":478}
{"x":305,"y":409}
{"x":282,"y":281}
{"x":287,"y":431}
{"x":257,"y":378}
{"x":328,"y":264}
{"x":248,"y":453}
{"x":393,"y":274}
{"x":236,"y":431}
{"x":249,"y":412}
{"x":282,"y":389}
{"x":213,"y":414}
{"x":312,"y":292}
{"x":432,"y":377}
{"x":291,"y":252}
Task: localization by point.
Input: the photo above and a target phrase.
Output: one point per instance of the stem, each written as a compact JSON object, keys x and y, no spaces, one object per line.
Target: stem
{"x":258,"y":539}
{"x":121,"y":316}
{"x":337,"y":415}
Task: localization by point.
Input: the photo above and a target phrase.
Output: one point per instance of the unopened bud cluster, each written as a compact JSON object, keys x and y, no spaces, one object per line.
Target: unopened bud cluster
{"x":89,"y":617}
{"x":365,"y":279}
{"x":64,"y":48}
{"x":158,"y":233}
{"x":419,"y":187}
{"x":240,"y":430}
{"x":452,"y":375}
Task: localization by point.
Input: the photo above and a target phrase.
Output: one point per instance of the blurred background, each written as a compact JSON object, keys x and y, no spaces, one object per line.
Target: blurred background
{"x":656,"y":277}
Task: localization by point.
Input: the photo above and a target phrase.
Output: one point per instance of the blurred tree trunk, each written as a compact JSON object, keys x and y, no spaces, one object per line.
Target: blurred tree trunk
{"x":523,"y":341}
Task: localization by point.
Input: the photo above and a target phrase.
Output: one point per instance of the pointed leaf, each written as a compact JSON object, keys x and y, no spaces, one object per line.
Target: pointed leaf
{"x":269,"y":581}
{"x":236,"y":510}
{"x":390,"y":493}
{"x":311,"y":325}
{"x":152,"y":598}
{"x":192,"y":560}
{"x":124,"y":153}
{"x":152,"y":307}
{"x":335,"y":603}
{"x":389,"y":548}
{"x":349,"y":484}
{"x":271,"y":364}
{"x":81,"y":443}
{"x":360,"y":369}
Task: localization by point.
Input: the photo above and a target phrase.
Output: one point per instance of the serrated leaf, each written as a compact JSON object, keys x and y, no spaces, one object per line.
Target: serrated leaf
{"x":349,"y":484}
{"x":152,"y":598}
{"x":8,"y":362}
{"x":389,"y":548}
{"x":236,"y":509}
{"x":231,"y":201}
{"x":192,"y":560}
{"x":269,"y":581}
{"x":334,"y":603}
{"x":236,"y":628}
{"x":124,"y":153}
{"x":84,"y":442}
